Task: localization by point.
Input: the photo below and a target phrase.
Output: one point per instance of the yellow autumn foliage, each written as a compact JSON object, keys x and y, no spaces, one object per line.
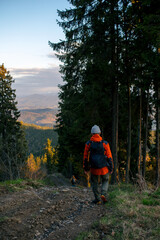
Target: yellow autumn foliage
{"x":37,"y":166}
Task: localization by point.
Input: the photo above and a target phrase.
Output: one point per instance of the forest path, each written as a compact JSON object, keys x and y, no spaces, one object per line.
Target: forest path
{"x":47,"y":213}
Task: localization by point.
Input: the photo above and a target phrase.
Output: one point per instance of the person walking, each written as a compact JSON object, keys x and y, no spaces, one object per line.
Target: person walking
{"x":98,"y":160}
{"x":73,"y":180}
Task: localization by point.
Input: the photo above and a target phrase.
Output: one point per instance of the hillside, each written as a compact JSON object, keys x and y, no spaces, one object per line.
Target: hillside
{"x":42,"y":117}
{"x":36,"y":137}
{"x":31,"y":210}
{"x":38,"y":109}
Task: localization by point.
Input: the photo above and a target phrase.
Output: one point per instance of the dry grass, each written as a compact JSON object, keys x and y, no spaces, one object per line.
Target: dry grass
{"x":130,"y":214}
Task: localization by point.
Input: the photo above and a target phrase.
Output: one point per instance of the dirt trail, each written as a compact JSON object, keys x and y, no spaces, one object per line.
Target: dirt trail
{"x":49,"y":213}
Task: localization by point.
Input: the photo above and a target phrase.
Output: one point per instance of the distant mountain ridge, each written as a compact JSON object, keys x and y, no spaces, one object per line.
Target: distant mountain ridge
{"x":38,"y":101}
{"x":38,"y":109}
{"x":41,"y":117}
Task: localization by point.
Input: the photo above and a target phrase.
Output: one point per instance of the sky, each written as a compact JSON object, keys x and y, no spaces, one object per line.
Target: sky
{"x":26,"y":28}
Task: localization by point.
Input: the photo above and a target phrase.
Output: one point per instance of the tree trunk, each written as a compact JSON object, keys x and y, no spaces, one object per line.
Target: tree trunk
{"x":157,"y":138}
{"x":129,"y":136}
{"x":127,"y":77}
{"x":10,"y":168}
{"x":115,"y":132}
{"x":139,"y":134}
{"x":114,"y":59}
{"x":145,"y":138}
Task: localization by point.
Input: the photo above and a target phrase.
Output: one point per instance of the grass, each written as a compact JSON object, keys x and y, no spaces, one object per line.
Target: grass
{"x":150,"y":202}
{"x":130,"y":214}
{"x":9,"y":182}
{"x":19,"y":184}
{"x":152,"y":199}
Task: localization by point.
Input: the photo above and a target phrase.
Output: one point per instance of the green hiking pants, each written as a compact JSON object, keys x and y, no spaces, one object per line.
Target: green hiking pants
{"x":104,"y":185}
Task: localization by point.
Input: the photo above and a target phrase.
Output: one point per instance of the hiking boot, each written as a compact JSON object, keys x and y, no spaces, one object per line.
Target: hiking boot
{"x":96,"y":201}
{"x":103,"y":199}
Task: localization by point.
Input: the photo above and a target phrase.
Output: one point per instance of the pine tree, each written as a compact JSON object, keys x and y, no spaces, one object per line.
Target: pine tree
{"x":12,"y":139}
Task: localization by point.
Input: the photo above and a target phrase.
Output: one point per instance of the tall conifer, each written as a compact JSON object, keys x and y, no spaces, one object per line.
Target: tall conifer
{"x":12,"y":139}
{"x":89,"y":65}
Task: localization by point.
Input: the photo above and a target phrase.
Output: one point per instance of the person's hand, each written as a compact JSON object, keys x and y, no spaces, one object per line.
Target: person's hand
{"x":85,"y":172}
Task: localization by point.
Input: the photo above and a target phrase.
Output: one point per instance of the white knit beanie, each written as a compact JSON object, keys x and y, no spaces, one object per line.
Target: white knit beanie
{"x":95,"y":129}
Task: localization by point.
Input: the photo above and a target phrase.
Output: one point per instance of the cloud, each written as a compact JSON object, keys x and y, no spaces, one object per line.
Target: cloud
{"x":52,"y":55}
{"x":36,"y":80}
{"x":22,"y":72}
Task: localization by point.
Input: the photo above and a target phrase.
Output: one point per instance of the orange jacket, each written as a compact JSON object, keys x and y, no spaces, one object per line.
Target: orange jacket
{"x":107,"y":152}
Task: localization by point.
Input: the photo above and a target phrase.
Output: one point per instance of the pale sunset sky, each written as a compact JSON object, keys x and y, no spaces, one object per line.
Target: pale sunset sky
{"x":26,"y":28}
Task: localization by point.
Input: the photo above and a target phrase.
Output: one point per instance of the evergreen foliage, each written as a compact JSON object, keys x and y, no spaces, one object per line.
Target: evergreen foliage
{"x":110,"y":71}
{"x":86,"y":97}
{"x":37,"y":136}
{"x":12,"y":139}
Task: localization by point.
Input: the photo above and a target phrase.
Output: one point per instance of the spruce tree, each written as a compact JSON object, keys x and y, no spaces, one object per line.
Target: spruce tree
{"x":12,"y":139}
{"x":89,"y":67}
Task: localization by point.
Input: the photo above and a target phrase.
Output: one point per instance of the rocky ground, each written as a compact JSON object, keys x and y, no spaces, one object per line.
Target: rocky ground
{"x":59,"y":212}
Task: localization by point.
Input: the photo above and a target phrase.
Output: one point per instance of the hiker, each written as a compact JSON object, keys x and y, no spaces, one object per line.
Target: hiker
{"x":73,"y":180}
{"x":98,"y":160}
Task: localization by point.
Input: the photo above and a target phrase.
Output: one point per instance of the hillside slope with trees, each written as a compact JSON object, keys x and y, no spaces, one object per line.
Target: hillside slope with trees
{"x":41,"y":117}
{"x":37,"y":136}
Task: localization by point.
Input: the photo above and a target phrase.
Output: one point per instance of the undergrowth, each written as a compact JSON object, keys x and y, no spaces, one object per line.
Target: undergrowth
{"x":129,"y":214}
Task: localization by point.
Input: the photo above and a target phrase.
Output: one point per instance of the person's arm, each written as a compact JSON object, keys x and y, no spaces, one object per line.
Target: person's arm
{"x":109,"y":155}
{"x":86,"y":166}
